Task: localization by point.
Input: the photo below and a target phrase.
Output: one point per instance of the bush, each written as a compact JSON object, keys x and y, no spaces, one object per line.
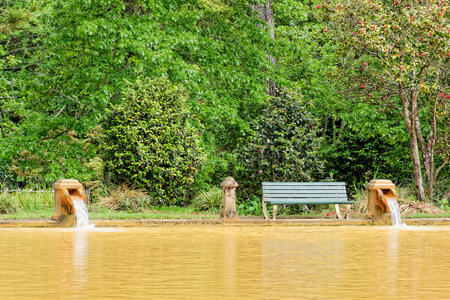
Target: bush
{"x":149,"y":143}
{"x":209,"y":200}
{"x":96,"y":187}
{"x":357,"y":156}
{"x":8,"y":204}
{"x":252,"y":206}
{"x":283,"y":145}
{"x":215,"y":168}
{"x":14,"y":201}
{"x":124,"y":198}
{"x":30,"y":158}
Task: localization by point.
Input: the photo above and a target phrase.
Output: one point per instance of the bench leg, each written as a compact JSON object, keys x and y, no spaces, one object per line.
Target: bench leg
{"x":264,"y":207}
{"x":274,"y":213}
{"x":338,"y":211}
{"x":347,"y":214}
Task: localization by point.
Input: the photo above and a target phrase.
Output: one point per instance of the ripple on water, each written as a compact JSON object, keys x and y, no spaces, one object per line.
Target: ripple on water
{"x":405,"y":227}
{"x":217,"y":262}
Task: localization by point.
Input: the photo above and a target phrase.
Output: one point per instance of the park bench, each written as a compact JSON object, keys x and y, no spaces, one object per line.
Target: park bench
{"x":282,"y":193}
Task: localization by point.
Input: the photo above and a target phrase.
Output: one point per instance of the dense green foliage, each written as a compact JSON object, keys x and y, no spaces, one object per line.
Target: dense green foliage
{"x":124,"y":198}
{"x":282,"y":146}
{"x":24,"y":201}
{"x":43,"y":136}
{"x":64,"y":63}
{"x":149,"y":143}
{"x":396,"y":54}
{"x":208,"y":200}
{"x":374,"y":147}
{"x":76,"y":56}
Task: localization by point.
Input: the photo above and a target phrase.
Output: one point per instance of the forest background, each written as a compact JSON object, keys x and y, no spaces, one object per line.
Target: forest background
{"x":172,"y":96}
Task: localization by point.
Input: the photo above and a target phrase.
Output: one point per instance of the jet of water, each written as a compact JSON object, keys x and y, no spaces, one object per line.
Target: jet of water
{"x":81,"y":212}
{"x":395,"y":211}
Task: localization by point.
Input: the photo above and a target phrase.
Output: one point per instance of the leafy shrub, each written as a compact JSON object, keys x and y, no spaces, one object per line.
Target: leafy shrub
{"x":14,"y":201}
{"x":442,"y":188}
{"x":124,"y":198}
{"x":215,"y":168}
{"x":209,"y":200}
{"x":282,"y":146}
{"x":252,"y":206}
{"x":149,"y":143}
{"x":357,"y":156}
{"x":8,"y":204}
{"x":360,"y":196}
{"x":96,"y":188}
{"x":28,"y":157}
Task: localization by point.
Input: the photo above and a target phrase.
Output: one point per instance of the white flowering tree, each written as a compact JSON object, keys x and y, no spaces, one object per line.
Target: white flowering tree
{"x":396,"y":53}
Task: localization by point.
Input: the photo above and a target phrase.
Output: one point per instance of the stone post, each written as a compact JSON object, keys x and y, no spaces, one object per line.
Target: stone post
{"x":377,"y":191}
{"x":228,"y":211}
{"x":65,"y":191}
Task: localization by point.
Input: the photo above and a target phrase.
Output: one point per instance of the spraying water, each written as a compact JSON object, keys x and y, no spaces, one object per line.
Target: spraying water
{"x":81,"y":212}
{"x":395,"y":211}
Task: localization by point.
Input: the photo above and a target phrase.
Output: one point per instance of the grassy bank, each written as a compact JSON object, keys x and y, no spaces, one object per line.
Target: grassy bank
{"x":184,"y":213}
{"x":39,"y":206}
{"x":172,"y":212}
{"x":105,"y":214}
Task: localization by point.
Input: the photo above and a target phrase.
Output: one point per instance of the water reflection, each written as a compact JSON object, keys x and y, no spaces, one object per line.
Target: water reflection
{"x":80,"y":255}
{"x":229,"y":261}
{"x":393,"y":260}
{"x":217,"y":262}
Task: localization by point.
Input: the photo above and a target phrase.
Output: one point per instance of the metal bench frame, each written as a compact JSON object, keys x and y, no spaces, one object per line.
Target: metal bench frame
{"x":282,"y":193}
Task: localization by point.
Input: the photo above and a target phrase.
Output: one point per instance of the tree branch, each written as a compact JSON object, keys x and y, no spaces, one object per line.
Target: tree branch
{"x":60,"y":111}
{"x":436,"y":173}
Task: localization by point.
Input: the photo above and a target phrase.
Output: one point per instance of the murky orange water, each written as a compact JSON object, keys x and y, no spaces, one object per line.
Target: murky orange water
{"x":224,"y":262}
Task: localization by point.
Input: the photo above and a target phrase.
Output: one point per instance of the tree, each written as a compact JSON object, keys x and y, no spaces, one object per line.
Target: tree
{"x":265,"y":13}
{"x":396,"y":53}
{"x":283,"y":144}
{"x":149,"y":143}
{"x":63,"y":62}
{"x":39,"y":141}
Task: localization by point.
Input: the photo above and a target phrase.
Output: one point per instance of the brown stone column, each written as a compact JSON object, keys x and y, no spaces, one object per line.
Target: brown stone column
{"x":65,"y":191}
{"x":377,"y":189}
{"x":228,"y":211}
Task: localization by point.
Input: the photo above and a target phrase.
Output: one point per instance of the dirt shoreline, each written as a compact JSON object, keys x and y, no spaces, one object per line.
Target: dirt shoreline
{"x":241,"y":222}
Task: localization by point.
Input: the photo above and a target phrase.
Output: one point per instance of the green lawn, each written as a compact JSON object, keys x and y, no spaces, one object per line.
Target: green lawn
{"x":446,"y":214}
{"x":172,"y":212}
{"x":28,"y":215}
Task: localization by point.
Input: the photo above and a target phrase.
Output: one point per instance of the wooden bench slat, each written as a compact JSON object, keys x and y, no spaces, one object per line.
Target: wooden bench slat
{"x":303,"y":183}
{"x":302,"y":188}
{"x":305,"y":195}
{"x":288,"y":199}
{"x":309,"y":201}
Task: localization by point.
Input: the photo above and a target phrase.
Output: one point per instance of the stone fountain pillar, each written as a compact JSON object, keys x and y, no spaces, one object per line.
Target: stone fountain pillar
{"x":379,"y":190}
{"x":228,"y":211}
{"x":65,"y":191}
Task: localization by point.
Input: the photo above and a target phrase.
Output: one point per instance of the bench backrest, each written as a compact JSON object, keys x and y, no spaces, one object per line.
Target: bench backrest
{"x":304,"y":192}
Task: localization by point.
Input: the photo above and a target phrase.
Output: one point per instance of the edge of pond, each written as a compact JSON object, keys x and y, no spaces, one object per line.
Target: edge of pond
{"x":240,"y":222}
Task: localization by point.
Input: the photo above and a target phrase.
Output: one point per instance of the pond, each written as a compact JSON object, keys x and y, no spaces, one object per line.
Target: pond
{"x":218,"y":262}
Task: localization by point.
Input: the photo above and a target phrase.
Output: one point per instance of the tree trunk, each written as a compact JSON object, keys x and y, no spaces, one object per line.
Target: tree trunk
{"x":426,"y":146}
{"x":265,"y":13}
{"x":431,"y":146}
{"x":410,"y":124}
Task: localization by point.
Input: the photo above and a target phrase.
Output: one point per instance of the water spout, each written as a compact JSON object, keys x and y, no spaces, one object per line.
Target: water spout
{"x":394,"y":210}
{"x":81,"y":212}
{"x":382,"y":200}
{"x":70,"y":209}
